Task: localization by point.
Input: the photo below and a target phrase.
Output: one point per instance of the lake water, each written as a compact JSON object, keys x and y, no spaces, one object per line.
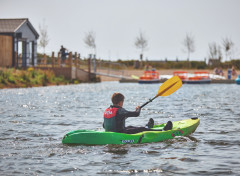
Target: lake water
{"x":34,"y":120}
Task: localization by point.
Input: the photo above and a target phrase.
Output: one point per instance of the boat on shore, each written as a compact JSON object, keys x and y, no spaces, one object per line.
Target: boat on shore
{"x":200,"y":77}
{"x":91,"y":137}
{"x":149,"y":77}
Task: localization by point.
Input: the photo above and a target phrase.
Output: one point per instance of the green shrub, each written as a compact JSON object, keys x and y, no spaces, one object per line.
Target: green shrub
{"x":11,"y":79}
{"x":76,"y":82}
{"x":28,"y":78}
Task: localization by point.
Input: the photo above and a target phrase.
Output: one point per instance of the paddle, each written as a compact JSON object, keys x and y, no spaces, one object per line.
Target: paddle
{"x":167,"y":88}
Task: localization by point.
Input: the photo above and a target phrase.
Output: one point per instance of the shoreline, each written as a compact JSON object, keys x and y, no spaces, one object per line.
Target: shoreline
{"x":164,"y":72}
{"x":135,"y":72}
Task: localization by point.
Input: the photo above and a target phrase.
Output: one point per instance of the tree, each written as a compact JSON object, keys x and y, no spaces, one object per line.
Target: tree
{"x":89,"y":40}
{"x":215,"y":51}
{"x":141,"y":43}
{"x":44,"y":40}
{"x":227,"y":45}
{"x":189,"y":44}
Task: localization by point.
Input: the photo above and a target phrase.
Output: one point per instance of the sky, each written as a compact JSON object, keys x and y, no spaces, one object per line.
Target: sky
{"x":117,"y":23}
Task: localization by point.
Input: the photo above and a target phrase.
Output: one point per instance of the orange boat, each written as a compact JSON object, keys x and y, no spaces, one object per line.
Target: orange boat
{"x":149,"y":77}
{"x":200,"y":77}
{"x":181,"y":74}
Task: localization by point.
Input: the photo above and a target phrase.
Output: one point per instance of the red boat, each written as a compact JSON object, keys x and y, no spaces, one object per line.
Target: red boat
{"x":149,"y":77}
{"x":200,"y":77}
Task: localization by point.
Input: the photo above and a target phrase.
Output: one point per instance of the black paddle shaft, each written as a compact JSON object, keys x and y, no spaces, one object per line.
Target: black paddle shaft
{"x":150,"y":100}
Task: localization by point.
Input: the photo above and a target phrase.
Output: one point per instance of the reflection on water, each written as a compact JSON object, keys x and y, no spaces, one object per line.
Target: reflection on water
{"x":34,"y":120}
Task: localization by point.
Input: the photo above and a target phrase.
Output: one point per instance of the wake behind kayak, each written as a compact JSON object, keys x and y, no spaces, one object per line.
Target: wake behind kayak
{"x":91,"y":137}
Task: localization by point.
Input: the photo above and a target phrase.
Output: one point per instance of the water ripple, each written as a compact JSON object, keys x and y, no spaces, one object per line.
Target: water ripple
{"x":34,"y":120}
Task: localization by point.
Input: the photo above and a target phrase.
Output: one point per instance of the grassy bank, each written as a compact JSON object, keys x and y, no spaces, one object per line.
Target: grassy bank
{"x":14,"y":78}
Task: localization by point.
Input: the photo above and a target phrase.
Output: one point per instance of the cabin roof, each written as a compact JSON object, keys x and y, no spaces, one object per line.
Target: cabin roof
{"x":12,"y":25}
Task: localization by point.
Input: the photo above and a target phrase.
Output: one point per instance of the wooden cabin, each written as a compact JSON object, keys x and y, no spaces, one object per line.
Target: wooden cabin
{"x":18,"y":43}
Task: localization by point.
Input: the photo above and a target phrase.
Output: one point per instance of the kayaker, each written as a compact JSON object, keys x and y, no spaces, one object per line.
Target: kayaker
{"x":115,"y":116}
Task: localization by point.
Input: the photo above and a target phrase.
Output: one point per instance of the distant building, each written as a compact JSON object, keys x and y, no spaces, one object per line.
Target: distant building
{"x":18,"y":43}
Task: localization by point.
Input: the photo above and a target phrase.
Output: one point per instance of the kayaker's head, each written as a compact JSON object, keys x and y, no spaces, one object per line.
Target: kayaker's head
{"x":118,"y":99}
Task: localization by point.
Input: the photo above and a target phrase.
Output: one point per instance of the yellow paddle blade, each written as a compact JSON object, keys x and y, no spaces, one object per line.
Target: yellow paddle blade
{"x":169,"y":86}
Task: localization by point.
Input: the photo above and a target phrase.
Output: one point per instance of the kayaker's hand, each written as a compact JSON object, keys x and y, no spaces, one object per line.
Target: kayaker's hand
{"x":138,"y":108}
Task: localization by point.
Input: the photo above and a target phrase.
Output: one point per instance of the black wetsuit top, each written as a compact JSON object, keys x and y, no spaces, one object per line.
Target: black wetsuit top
{"x":115,"y":116}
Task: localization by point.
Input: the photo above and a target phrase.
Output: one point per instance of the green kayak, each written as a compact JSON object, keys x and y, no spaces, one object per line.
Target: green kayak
{"x":90,"y":137}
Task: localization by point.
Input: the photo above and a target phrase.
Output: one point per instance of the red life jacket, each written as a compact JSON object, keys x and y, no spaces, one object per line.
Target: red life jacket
{"x":110,"y":112}
{"x":110,"y":120}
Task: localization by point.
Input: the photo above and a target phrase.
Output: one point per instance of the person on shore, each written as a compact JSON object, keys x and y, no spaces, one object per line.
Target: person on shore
{"x":221,"y":72}
{"x":234,"y":73}
{"x":115,"y":116}
{"x":216,"y":71}
{"x":63,"y":54}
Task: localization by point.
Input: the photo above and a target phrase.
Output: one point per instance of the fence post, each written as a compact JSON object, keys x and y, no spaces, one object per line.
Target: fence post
{"x":89,"y":67}
{"x":75,"y":59}
{"x":53,"y":59}
{"x":79,"y":60}
{"x":59,"y":60}
{"x":44,"y":59}
{"x":94,"y":63}
{"x":70,"y":59}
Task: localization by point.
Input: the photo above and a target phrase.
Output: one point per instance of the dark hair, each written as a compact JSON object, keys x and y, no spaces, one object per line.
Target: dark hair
{"x":117,"y":97}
